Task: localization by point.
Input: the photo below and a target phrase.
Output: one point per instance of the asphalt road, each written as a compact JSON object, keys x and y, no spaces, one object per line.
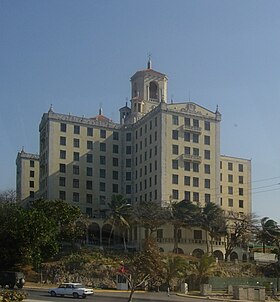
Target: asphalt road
{"x":41,"y":296}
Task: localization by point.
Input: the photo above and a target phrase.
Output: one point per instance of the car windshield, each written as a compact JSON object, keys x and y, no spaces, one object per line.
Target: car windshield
{"x":78,"y":285}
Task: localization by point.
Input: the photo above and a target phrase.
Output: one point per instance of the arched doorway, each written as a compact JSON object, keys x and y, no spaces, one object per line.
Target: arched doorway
{"x":94,"y":234}
{"x":233,"y":256}
{"x":198,"y":253}
{"x":219,"y":255}
{"x":107,"y":234}
{"x":178,"y":251}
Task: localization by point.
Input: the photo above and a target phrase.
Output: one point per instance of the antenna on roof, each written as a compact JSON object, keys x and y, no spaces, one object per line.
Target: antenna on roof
{"x":100,"y":109}
{"x":149,"y":66}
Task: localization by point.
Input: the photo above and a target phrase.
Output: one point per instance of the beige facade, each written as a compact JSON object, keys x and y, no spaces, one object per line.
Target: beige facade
{"x":235,"y":187}
{"x":159,"y":151}
{"x":27,"y":182}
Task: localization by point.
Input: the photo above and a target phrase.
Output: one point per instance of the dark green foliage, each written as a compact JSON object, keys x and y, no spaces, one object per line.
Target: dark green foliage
{"x":15,"y":295}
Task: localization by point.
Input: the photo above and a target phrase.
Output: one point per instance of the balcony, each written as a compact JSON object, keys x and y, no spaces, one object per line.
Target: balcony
{"x":192,"y":128}
{"x":192,"y":157}
{"x":190,"y":241}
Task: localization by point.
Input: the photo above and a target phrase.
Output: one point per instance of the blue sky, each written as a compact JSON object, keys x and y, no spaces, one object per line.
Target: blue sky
{"x":77,"y":55}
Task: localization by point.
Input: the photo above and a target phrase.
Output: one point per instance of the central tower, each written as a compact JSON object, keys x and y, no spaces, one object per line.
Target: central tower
{"x":148,"y":89}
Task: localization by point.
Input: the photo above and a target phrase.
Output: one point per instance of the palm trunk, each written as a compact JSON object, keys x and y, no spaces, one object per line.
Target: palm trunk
{"x":207,"y":242}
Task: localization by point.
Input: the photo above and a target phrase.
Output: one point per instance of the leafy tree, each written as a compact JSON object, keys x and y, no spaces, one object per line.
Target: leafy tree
{"x":182,"y":214}
{"x":64,"y":216}
{"x":203,"y":268}
{"x":150,"y":215}
{"x":238,"y":232}
{"x":119,"y":216}
{"x":175,"y":268}
{"x":8,"y":196}
{"x":268,"y":232}
{"x":143,"y":266}
{"x":212,"y":222}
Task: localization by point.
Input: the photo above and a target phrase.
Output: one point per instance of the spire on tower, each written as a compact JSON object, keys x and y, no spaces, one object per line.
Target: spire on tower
{"x":149,"y":66}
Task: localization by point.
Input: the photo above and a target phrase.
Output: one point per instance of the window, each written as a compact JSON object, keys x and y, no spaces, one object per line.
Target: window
{"x":175,"y":194}
{"x":206,"y":140}
{"x":128,"y":189}
{"x":89,"y":212}
{"x":115,"y":162}
{"x":89,"y":185}
{"x":196,"y":196}
{"x":115,"y":188}
{"x":230,"y":178}
{"x":102,"y":133}
{"x":207,"y":198}
{"x":76,"y":170}
{"x":115,"y":175}
{"x":76,"y":183}
{"x":187,"y":181}
{"x":89,"y":131}
{"x":76,"y":143}
{"x":197,"y":235}
{"x":128,"y":162}
{"x":62,"y":154}
{"x":175,"y":164}
{"x":230,"y":166}
{"x":187,"y":195}
{"x":230,"y":190}
{"x":62,"y":168}
{"x":31,"y":183}
{"x":63,"y":141}
{"x":128,"y":137}
{"x":128,"y":176}
{"x":76,"y":197}
{"x":62,"y":195}
{"x":76,"y":129}
{"x":102,"y":147}
{"x":195,"y":182}
{"x":240,"y":167}
{"x":241,"y":191}
{"x":63,"y":127}
{"x":187,"y":150}
{"x":187,"y":136}
{"x":102,"y":173}
{"x":89,"y":198}
{"x":187,"y":165}
{"x":31,"y":173}
{"x":76,"y":156}
{"x":206,"y":125}
{"x":31,"y":163}
{"x":195,"y":123}
{"x":89,"y":171}
{"x":241,"y":203}
{"x":175,"y":120}
{"x":175,"y":179}
{"x":196,"y":151}
{"x":195,"y":167}
{"x":230,"y":202}
{"x":207,"y":169}
{"x":102,"y":160}
{"x":90,"y":145}
{"x":175,"y":149}
{"x":207,"y":154}
{"x":115,"y":149}
{"x":128,"y":149}
{"x":187,"y":121}
{"x":102,"y":186}
{"x":89,"y":158}
{"x":195,"y":138}
{"x":240,"y":179}
{"x":207,"y":183}
{"x":115,"y":136}
{"x":175,"y":134}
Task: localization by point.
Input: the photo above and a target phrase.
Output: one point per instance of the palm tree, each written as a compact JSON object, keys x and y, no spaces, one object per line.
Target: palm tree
{"x":182,"y":214}
{"x":269,"y":232}
{"x":119,"y":216}
{"x":212,"y":222}
{"x":175,"y":268}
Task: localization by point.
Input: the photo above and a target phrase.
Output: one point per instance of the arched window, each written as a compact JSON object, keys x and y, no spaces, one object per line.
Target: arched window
{"x":153,"y":91}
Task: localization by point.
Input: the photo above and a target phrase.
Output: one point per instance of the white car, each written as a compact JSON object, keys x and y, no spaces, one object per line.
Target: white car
{"x":75,"y":290}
